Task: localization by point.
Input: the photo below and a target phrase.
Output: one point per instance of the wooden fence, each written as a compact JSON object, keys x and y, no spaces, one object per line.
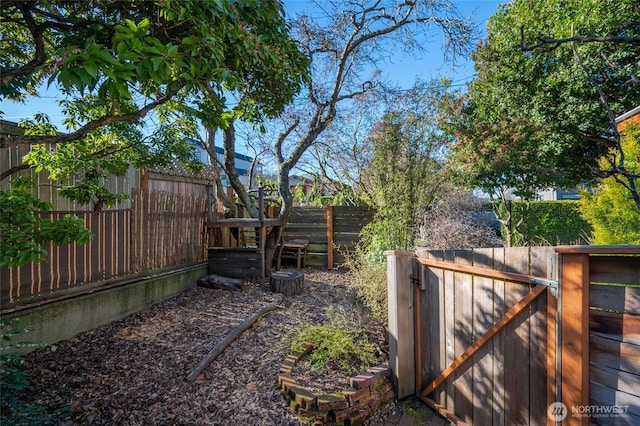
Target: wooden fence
{"x":331,"y":231}
{"x":488,"y":336}
{"x":169,"y":229}
{"x":162,"y":229}
{"x":72,"y":265}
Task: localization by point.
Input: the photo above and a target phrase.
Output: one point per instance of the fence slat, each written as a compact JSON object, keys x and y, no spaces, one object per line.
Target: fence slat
{"x":616,"y":270}
{"x":574,"y":324}
{"x":160,"y":230}
{"x":617,"y":326}
{"x":483,"y":317}
{"x":509,"y":316}
{"x":464,"y":336}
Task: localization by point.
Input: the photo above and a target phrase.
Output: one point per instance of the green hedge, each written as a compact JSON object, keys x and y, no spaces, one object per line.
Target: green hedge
{"x":550,"y":223}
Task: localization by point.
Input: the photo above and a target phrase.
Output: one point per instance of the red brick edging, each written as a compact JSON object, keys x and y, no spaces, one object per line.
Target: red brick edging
{"x":369,"y":392}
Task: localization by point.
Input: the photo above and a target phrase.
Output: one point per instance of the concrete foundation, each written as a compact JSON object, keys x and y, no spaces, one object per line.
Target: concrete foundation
{"x":59,"y":320}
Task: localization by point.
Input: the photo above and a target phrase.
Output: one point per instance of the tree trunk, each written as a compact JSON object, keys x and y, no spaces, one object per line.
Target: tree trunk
{"x":220,"y":282}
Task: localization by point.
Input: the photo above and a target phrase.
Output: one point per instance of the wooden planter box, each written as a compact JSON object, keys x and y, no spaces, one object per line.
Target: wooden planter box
{"x":236,"y":262}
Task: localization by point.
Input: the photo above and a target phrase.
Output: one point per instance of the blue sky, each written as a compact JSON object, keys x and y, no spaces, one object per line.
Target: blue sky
{"x":403,"y":71}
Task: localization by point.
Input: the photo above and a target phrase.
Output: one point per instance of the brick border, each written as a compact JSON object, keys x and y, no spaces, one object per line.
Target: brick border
{"x":369,"y":393}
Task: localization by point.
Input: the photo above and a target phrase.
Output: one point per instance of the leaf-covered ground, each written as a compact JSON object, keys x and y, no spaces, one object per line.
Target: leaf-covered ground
{"x":134,"y":371}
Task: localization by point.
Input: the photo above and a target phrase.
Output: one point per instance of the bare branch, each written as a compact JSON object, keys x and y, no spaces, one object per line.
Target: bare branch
{"x":282,"y":137}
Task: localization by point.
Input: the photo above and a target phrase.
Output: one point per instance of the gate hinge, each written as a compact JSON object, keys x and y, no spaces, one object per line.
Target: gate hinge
{"x":549,"y":283}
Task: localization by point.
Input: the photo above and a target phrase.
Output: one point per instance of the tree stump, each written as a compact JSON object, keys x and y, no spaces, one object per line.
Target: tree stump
{"x":289,"y":283}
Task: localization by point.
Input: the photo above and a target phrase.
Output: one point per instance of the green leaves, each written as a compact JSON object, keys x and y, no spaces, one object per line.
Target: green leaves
{"x":25,"y":230}
{"x":536,"y":119}
{"x":148,"y":50}
{"x":609,"y":208}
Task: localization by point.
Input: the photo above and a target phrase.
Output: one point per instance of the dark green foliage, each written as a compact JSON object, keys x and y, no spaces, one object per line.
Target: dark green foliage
{"x":14,"y":378}
{"x":543,"y":117}
{"x":550,"y":223}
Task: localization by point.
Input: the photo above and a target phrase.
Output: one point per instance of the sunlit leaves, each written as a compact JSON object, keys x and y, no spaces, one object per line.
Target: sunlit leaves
{"x":24,"y":230}
{"x":609,"y":208}
{"x":537,"y":119}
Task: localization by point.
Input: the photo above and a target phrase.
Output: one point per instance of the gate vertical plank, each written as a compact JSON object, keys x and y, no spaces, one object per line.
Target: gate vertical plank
{"x":449,"y":321}
{"x":551,"y":350}
{"x":426,"y":325}
{"x":463,"y":382}
{"x":537,"y":362}
{"x":499,"y":340}
{"x":483,"y":318}
{"x":437,"y":347}
{"x":574,"y":300}
{"x":517,"y":343}
{"x":401,"y":317}
{"x":538,"y":339}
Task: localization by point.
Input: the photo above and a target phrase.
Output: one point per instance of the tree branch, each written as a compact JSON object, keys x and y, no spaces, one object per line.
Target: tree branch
{"x":13,"y":170}
{"x":84,"y":130}
{"x":38,"y":41}
{"x":556,"y":42}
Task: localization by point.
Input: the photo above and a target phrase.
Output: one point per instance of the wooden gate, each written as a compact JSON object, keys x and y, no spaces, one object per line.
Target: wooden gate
{"x":487,"y":336}
{"x":482,"y":341}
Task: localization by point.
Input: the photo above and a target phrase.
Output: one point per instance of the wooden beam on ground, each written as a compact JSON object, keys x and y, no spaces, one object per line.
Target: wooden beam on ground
{"x":221,"y":346}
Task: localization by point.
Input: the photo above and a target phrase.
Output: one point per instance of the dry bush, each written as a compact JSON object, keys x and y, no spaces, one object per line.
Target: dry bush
{"x":457,"y":222}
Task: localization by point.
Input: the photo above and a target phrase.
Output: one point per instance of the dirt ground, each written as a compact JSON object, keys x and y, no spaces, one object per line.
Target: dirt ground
{"x":134,"y":371}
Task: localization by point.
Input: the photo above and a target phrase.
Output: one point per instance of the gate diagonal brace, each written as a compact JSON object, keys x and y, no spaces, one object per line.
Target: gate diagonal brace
{"x":468,"y":353}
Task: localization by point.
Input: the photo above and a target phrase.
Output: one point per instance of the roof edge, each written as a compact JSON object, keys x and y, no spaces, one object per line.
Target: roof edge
{"x":628,"y":114}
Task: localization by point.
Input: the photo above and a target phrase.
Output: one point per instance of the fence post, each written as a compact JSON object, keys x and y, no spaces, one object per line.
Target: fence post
{"x":401,"y":332}
{"x":329,"y":222}
{"x":574,"y":332}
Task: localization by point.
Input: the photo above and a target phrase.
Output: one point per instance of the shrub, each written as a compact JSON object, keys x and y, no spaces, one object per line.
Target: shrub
{"x":459,"y":221}
{"x":14,"y":378}
{"x":338,"y":345}
{"x":550,"y":223}
{"x":369,"y":280}
{"x":610,"y":208}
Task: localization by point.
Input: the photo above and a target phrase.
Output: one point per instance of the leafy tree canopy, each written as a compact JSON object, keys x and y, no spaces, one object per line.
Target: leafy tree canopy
{"x":539,"y":113}
{"x":406,"y":170}
{"x":116,"y":62}
{"x":129,"y":57}
{"x":119,"y":64}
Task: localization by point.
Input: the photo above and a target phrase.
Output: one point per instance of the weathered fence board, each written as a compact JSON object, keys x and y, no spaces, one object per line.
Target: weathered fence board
{"x":235,"y":261}
{"x":497,"y":382}
{"x":614,"y":341}
{"x":169,"y":229}
{"x":512,"y":378}
{"x":331,"y":231}
{"x":74,"y":265}
{"x":160,"y":230}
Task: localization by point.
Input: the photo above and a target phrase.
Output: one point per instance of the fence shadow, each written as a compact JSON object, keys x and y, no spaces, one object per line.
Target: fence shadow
{"x":504,"y":381}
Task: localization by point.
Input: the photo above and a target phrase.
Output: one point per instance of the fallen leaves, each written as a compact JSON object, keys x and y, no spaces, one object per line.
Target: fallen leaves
{"x":133,"y":371}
